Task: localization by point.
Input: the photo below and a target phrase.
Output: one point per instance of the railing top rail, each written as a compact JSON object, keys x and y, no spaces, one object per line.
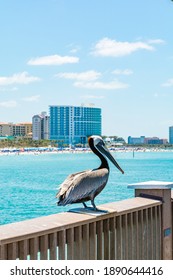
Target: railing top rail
{"x":44,"y":225}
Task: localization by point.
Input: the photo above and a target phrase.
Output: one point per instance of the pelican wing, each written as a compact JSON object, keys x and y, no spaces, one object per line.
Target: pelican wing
{"x":82,"y":186}
{"x":68,"y":183}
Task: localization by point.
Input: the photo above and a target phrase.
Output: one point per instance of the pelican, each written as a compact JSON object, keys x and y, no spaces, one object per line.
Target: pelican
{"x":86,"y":185}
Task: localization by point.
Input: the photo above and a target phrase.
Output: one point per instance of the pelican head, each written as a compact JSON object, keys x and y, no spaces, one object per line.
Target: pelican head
{"x":101,"y":148}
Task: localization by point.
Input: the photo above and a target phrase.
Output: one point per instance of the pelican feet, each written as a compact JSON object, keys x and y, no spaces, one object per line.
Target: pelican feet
{"x":94,"y":208}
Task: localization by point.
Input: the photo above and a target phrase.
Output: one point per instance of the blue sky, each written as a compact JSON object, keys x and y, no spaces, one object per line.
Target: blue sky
{"x":117,"y":54}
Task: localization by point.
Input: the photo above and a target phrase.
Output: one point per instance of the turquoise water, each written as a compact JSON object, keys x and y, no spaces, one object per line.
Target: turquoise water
{"x":28,"y":183}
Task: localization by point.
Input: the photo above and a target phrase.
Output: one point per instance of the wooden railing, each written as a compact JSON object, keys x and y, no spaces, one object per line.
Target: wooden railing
{"x":172,"y":219}
{"x":130,"y":229}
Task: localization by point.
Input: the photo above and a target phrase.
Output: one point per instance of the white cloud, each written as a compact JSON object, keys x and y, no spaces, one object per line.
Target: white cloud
{"x":8,"y":89}
{"x":169,"y":83}
{"x":90,"y":80}
{"x":53,"y":60}
{"x":92,"y":96}
{"x":75,"y":49}
{"x":33,"y":98}
{"x":101,"y":85}
{"x":108,"y":47}
{"x":122,"y":72}
{"x":82,"y":76}
{"x":19,"y":78}
{"x":8,"y":104}
{"x":156,"y":41}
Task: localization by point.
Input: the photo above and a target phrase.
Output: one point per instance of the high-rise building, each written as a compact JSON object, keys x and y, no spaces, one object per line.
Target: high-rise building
{"x":171,"y":134}
{"x":40,"y":126}
{"x":73,"y":125}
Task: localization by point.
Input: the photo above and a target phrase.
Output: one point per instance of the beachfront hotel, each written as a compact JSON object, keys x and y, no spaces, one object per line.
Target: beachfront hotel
{"x":20,"y":129}
{"x":146,"y":140}
{"x":73,"y":124}
{"x":40,"y":126}
{"x":171,"y":135}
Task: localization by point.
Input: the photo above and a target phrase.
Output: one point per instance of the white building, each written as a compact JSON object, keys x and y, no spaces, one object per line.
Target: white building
{"x":40,"y":126}
{"x":6,"y":129}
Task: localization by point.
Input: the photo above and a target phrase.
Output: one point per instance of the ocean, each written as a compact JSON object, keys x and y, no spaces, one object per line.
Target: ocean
{"x":28,"y":183}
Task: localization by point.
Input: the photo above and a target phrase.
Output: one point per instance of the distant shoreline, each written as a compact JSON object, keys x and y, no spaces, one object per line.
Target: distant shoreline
{"x":41,"y":150}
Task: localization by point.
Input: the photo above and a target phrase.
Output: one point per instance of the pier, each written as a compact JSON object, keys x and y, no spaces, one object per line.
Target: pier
{"x":139,"y":228}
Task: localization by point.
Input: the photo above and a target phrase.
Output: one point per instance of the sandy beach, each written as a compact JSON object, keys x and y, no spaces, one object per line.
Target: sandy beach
{"x":43,"y":150}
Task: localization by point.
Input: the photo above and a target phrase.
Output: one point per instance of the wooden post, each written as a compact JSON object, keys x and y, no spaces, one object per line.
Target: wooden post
{"x":159,"y":191}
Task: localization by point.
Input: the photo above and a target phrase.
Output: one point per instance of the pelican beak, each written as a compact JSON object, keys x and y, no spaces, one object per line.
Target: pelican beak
{"x":104,"y":150}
